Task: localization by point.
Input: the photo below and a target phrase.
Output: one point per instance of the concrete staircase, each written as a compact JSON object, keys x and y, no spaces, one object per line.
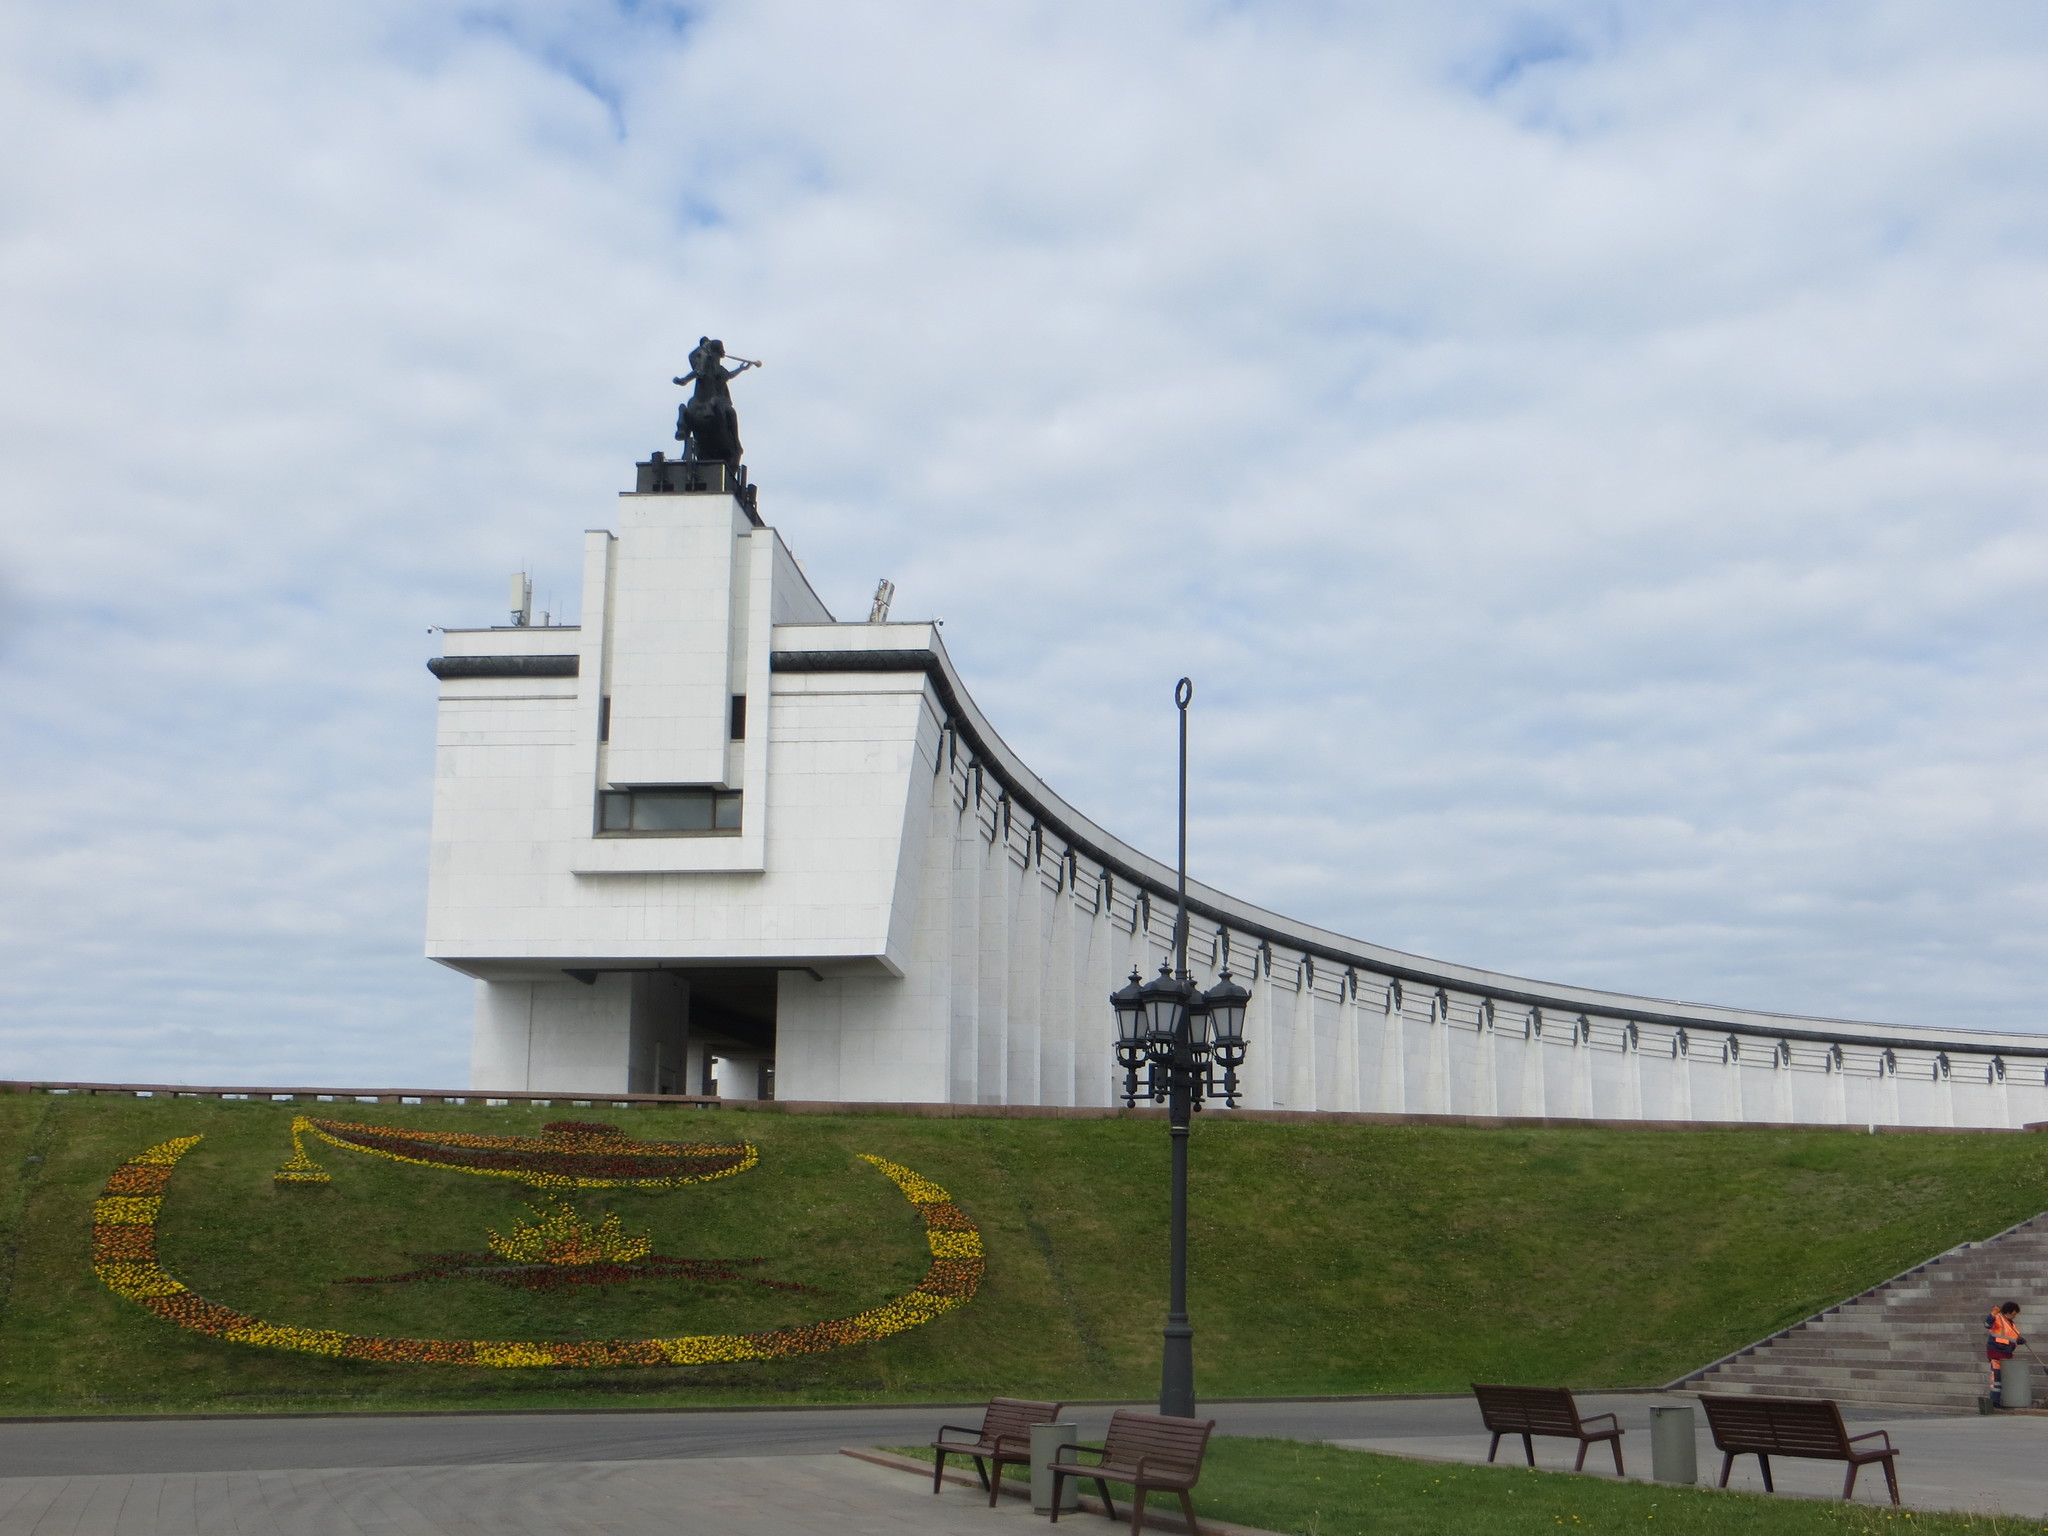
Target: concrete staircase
{"x":1917,"y":1339}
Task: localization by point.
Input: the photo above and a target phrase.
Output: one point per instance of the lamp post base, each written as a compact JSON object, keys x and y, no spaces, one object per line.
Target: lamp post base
{"x":1177,"y":1376}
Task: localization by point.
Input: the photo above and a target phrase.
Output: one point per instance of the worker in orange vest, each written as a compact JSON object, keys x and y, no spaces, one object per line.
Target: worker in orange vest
{"x":2002,"y":1340}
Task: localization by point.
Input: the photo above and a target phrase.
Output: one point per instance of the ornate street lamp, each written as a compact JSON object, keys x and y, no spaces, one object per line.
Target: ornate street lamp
{"x":1179,"y":1045}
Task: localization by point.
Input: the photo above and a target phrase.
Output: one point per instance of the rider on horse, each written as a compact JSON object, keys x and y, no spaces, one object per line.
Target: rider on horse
{"x":707,"y":423}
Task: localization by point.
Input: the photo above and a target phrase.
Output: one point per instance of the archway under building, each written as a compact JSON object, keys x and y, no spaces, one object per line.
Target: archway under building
{"x":731,"y":1033}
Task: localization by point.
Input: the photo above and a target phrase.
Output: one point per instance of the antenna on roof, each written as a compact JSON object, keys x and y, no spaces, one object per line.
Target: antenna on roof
{"x":522,"y":600}
{"x":885,"y":594}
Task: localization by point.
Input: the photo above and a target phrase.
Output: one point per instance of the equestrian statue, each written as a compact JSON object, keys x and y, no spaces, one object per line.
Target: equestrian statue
{"x":707,"y":424}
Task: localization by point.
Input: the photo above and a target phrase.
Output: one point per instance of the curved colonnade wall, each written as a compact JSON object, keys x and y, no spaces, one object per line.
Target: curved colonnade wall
{"x":711,"y":832}
{"x":1030,"y":914}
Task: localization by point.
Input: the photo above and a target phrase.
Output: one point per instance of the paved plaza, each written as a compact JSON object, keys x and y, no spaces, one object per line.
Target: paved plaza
{"x":742,"y":1472}
{"x":1995,"y":1465}
{"x":683,"y":1496}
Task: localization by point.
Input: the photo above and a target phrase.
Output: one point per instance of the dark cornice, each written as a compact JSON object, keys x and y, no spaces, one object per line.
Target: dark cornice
{"x":504,"y":666}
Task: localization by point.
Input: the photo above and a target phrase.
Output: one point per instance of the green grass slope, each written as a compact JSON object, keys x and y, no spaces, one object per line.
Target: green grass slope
{"x":1326,"y":1259}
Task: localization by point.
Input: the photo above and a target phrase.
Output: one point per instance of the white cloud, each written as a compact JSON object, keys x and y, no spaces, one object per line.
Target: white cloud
{"x":1587,"y":454}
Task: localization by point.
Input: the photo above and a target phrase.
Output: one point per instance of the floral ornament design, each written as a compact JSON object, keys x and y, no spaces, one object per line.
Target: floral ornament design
{"x":558,"y":1234}
{"x":568,"y":1154}
{"x":124,"y":1258}
{"x":558,"y":1250}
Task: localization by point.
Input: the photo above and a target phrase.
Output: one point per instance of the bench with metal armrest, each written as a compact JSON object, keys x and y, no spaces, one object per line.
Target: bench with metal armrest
{"x":1528,"y":1411}
{"x":1004,"y":1439}
{"x":1805,"y":1428}
{"x":1146,"y":1450}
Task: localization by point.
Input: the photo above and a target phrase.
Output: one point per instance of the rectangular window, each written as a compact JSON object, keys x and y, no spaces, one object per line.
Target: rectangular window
{"x":739,"y":717}
{"x":670,"y":811}
{"x":604,"y":717}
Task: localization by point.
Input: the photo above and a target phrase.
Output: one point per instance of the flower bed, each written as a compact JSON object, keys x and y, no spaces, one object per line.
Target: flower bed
{"x":568,"y":1154}
{"x":124,"y":1258}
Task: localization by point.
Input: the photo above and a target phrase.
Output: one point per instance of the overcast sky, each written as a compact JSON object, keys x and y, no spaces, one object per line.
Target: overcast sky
{"x":1590,"y":457}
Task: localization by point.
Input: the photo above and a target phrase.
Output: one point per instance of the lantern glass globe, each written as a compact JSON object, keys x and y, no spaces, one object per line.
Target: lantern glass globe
{"x":1166,"y":1005}
{"x":1226,"y":1004}
{"x":1129,"y":1003}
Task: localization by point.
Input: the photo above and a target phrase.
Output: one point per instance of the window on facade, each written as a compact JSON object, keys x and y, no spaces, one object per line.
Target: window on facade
{"x":668,"y":810}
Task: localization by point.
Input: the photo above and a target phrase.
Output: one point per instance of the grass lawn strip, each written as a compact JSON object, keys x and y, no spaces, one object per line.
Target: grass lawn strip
{"x":1586,"y":1258}
{"x":1303,"y":1489}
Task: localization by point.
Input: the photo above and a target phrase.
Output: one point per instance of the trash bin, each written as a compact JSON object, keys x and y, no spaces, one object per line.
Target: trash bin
{"x":1046,"y":1439}
{"x":1674,"y":1452}
{"x":2016,"y":1384}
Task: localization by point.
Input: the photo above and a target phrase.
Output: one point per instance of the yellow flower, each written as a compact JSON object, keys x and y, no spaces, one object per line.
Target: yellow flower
{"x":512,"y":1355}
{"x":708,"y":1349}
{"x":916,"y":1188}
{"x":126,"y":1210}
{"x":559,"y":1235}
{"x":136,"y":1280}
{"x":312,"y":1341}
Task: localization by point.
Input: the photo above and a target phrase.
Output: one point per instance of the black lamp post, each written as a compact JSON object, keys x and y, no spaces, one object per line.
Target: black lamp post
{"x":1188,"y":1045}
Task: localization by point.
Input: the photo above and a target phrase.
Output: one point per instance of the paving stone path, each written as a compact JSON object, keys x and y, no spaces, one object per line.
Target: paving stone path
{"x":695,"y":1496}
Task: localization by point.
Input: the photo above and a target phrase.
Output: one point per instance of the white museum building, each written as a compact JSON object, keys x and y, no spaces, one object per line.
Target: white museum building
{"x":712,"y":834}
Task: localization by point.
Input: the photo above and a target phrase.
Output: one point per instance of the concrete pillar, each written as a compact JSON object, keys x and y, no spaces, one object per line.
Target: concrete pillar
{"x":992,"y":944}
{"x":738,"y":1077}
{"x":1350,"y":1075}
{"x":1681,"y":1083}
{"x":964,"y":904}
{"x":1391,"y":1095}
{"x":1058,"y":997}
{"x":1301,"y":1029}
{"x":658,"y":1041}
{"x":1632,"y":1072}
{"x":1837,"y":1091}
{"x":554,"y":1035}
{"x":1436,"y":1084}
{"x":1486,"y":1063}
{"x":1781,"y":1085}
{"x":1535,"y":1100}
{"x":1582,"y":1071}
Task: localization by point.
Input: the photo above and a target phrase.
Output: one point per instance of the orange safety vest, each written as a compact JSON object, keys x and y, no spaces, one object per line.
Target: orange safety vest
{"x":2005,"y":1336}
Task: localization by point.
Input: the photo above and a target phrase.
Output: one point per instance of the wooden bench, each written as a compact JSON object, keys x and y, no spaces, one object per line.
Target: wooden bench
{"x":1146,"y":1450}
{"x":1003,"y":1439}
{"x":1800,"y":1427}
{"x":1528,"y":1411}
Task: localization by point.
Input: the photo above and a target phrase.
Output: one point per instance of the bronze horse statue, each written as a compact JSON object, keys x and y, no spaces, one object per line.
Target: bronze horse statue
{"x":707,"y":423}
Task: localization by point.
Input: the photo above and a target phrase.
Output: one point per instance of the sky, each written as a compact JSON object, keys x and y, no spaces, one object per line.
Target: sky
{"x":1589,"y":457}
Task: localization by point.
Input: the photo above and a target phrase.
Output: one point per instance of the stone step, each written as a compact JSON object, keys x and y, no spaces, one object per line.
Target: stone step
{"x":1958,"y":1395}
{"x":1961,"y":1295}
{"x":1903,"y":1362}
{"x":1902,"y":1359}
{"x":1990,"y":1280}
{"x":1811,"y":1373}
{"x":1924,"y":1344}
{"x":1892,"y":1382}
{"x":1883,"y":1396}
{"x":1917,"y":1339}
{"x":1968,"y":1331}
{"x":1946,"y":1342}
{"x":1947,"y":1317}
